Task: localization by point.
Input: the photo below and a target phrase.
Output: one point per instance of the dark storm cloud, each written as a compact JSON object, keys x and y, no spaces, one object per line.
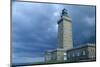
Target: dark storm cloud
{"x":83,"y":21}
{"x":34,"y":28}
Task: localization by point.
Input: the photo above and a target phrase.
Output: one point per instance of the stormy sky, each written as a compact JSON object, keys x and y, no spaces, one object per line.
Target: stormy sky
{"x":34,"y":28}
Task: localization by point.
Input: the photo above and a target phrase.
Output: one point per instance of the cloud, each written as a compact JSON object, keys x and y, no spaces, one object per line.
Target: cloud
{"x":90,"y":20}
{"x":83,"y":20}
{"x":33,"y":36}
{"x":34,"y":28}
{"x":18,"y":60}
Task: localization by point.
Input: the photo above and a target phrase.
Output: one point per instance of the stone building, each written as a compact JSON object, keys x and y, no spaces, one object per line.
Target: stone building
{"x":65,"y":50}
{"x":87,"y":52}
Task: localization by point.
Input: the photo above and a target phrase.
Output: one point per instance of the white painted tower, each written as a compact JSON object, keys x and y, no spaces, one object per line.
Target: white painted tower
{"x":64,"y":39}
{"x":65,"y":31}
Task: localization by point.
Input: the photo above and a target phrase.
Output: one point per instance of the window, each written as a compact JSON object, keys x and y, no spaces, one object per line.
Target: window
{"x":78,"y":54}
{"x":68,"y":55}
{"x":65,"y":54}
{"x":73,"y":54}
{"x":65,"y":57}
{"x":92,"y":56}
{"x":84,"y":53}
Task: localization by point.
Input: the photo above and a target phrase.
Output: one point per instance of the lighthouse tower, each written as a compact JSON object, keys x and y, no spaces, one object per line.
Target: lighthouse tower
{"x":64,"y":39}
{"x":65,"y":31}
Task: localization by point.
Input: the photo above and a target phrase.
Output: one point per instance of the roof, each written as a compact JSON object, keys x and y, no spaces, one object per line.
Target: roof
{"x":83,"y":46}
